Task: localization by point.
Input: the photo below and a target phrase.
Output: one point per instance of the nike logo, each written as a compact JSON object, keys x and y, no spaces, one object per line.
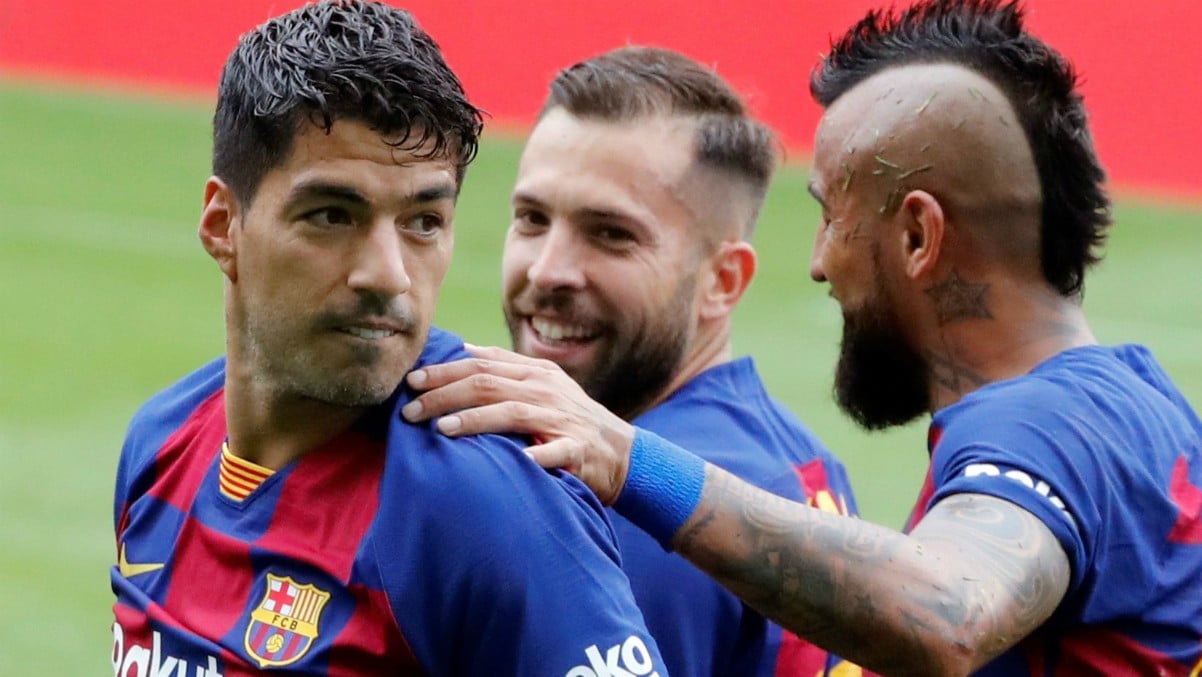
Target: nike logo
{"x":130,"y":570}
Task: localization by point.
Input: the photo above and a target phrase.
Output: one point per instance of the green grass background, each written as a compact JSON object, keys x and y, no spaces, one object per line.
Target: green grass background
{"x":108,"y":297}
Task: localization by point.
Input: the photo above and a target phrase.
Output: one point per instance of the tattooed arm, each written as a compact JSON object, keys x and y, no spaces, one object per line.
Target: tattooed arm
{"x":976,"y":576}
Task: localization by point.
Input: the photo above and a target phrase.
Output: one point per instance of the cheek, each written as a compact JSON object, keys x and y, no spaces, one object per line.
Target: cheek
{"x":516,"y":260}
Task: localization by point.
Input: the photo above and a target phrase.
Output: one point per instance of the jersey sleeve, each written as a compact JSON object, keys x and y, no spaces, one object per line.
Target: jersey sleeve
{"x":154,"y":421}
{"x":494,"y":566}
{"x":1029,"y":455}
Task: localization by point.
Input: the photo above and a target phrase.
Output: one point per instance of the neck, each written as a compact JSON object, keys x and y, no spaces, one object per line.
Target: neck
{"x":708,"y":349}
{"x":1025,"y":327}
{"x":273,"y":429}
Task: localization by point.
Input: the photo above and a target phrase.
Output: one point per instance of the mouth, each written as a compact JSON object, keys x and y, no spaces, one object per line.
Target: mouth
{"x":371,"y":329}
{"x":367,"y":333}
{"x":555,"y":332}
{"x":571,"y":345}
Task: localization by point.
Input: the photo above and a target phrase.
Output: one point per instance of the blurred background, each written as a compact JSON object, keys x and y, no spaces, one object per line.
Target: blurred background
{"x":108,"y":297}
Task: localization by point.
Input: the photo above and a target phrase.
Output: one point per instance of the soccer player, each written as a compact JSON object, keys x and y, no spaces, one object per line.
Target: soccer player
{"x":272,"y":510}
{"x":636,"y":196}
{"x":1058,"y":531}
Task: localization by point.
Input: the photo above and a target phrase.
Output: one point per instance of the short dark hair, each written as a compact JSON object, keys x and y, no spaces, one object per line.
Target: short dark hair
{"x":634,"y":82}
{"x":988,"y":37}
{"x":333,"y":60}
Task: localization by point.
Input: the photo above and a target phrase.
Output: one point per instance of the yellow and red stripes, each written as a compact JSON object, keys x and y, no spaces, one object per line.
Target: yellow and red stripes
{"x":239,"y":477}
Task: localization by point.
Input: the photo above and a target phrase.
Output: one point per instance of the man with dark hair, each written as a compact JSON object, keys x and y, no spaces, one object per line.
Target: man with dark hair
{"x":1058,"y":531}
{"x":272,"y":511}
{"x":636,"y":195}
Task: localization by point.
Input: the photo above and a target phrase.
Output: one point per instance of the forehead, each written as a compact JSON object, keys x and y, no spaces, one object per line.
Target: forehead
{"x":361,"y":154}
{"x":590,"y":160}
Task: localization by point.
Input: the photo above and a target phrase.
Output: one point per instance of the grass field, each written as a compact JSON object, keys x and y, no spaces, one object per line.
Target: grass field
{"x":108,"y":298}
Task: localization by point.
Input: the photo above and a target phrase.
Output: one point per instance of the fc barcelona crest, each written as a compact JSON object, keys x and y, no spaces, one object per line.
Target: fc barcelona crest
{"x":284,"y":625}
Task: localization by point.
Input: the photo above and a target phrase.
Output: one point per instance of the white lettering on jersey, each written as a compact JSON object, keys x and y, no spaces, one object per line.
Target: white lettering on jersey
{"x":1038,"y":486}
{"x":628,"y":659}
{"x":138,"y":661}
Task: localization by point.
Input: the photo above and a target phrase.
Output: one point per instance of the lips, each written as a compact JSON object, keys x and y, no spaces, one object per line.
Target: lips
{"x":369,"y":334}
{"x":551,"y":330}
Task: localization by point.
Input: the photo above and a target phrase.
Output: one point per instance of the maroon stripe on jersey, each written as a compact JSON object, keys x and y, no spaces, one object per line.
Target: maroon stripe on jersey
{"x":203,"y":556}
{"x":189,"y":453}
{"x":1093,"y":651}
{"x":1188,"y":498}
{"x":371,"y":643}
{"x":924,"y":499}
{"x":344,"y":475}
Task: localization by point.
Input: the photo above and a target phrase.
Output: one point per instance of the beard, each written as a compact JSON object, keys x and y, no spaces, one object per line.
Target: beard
{"x":635,"y":362}
{"x":355,"y":376}
{"x":880,"y":381}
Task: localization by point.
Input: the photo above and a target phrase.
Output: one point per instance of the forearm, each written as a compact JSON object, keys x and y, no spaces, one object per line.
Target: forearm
{"x":864,"y":592}
{"x":892,"y":603}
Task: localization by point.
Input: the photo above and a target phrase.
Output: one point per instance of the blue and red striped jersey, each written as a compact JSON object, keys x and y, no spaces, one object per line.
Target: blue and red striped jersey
{"x":725,"y":416}
{"x":1100,"y":445}
{"x":391,"y":549}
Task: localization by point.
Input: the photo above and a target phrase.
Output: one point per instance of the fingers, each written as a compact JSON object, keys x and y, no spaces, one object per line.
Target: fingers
{"x":438,"y":375}
{"x":502,"y":417}
{"x":472,"y":390}
{"x":488,"y":360}
{"x":571,"y":455}
{"x":502,"y":355}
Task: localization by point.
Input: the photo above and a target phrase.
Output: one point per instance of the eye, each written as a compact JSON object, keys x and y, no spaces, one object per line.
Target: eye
{"x":528,"y":221}
{"x":330,"y":217}
{"x":614,"y":236}
{"x":426,"y":225}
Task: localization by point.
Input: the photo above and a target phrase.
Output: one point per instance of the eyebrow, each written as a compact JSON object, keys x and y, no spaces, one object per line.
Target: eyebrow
{"x":311,"y":190}
{"x":590,"y":213}
{"x":446,"y":191}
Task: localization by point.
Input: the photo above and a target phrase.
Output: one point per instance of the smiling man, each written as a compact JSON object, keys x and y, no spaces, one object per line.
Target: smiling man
{"x":635,"y":201}
{"x":272,"y":511}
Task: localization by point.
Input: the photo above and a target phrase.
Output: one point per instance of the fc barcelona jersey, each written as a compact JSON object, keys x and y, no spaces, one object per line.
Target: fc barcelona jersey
{"x":725,"y":416}
{"x":1103,"y":448}
{"x":390,"y":550}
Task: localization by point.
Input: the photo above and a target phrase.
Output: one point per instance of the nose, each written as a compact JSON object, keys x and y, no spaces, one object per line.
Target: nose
{"x":379,"y":261}
{"x":816,"y":272}
{"x":559,"y":259}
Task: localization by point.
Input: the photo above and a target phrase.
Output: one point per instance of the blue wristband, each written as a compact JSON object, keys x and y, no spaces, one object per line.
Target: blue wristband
{"x":663,"y":486}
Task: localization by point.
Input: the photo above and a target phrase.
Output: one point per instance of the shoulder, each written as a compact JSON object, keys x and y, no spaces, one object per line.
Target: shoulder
{"x":163,"y":413}
{"x":492,"y":562}
{"x":482,"y":491}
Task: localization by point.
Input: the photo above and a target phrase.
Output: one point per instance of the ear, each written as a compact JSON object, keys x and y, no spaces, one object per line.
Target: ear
{"x":217,"y":231}
{"x":922,"y":233}
{"x":732,"y":266}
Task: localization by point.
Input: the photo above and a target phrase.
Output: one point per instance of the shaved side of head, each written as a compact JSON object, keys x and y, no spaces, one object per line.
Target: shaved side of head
{"x":947,"y":130}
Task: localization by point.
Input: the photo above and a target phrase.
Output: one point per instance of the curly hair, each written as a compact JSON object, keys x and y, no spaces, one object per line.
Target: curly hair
{"x":988,"y":37}
{"x":339,"y":59}
{"x":633,"y":82}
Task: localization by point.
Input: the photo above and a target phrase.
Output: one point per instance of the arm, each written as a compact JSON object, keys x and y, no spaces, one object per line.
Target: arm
{"x":976,"y":576}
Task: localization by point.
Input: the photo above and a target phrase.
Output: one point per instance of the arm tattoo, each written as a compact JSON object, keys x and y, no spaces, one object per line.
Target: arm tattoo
{"x":977,"y":575}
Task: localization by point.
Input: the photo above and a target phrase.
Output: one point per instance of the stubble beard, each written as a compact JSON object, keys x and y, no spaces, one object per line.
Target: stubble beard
{"x":634,"y":364}
{"x":297,"y":370}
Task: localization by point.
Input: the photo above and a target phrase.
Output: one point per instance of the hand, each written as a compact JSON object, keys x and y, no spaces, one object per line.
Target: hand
{"x":499,"y":391}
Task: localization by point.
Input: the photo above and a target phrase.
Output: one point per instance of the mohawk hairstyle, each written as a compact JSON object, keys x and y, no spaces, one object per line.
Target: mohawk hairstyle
{"x":988,"y":37}
{"x":334,"y":60}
